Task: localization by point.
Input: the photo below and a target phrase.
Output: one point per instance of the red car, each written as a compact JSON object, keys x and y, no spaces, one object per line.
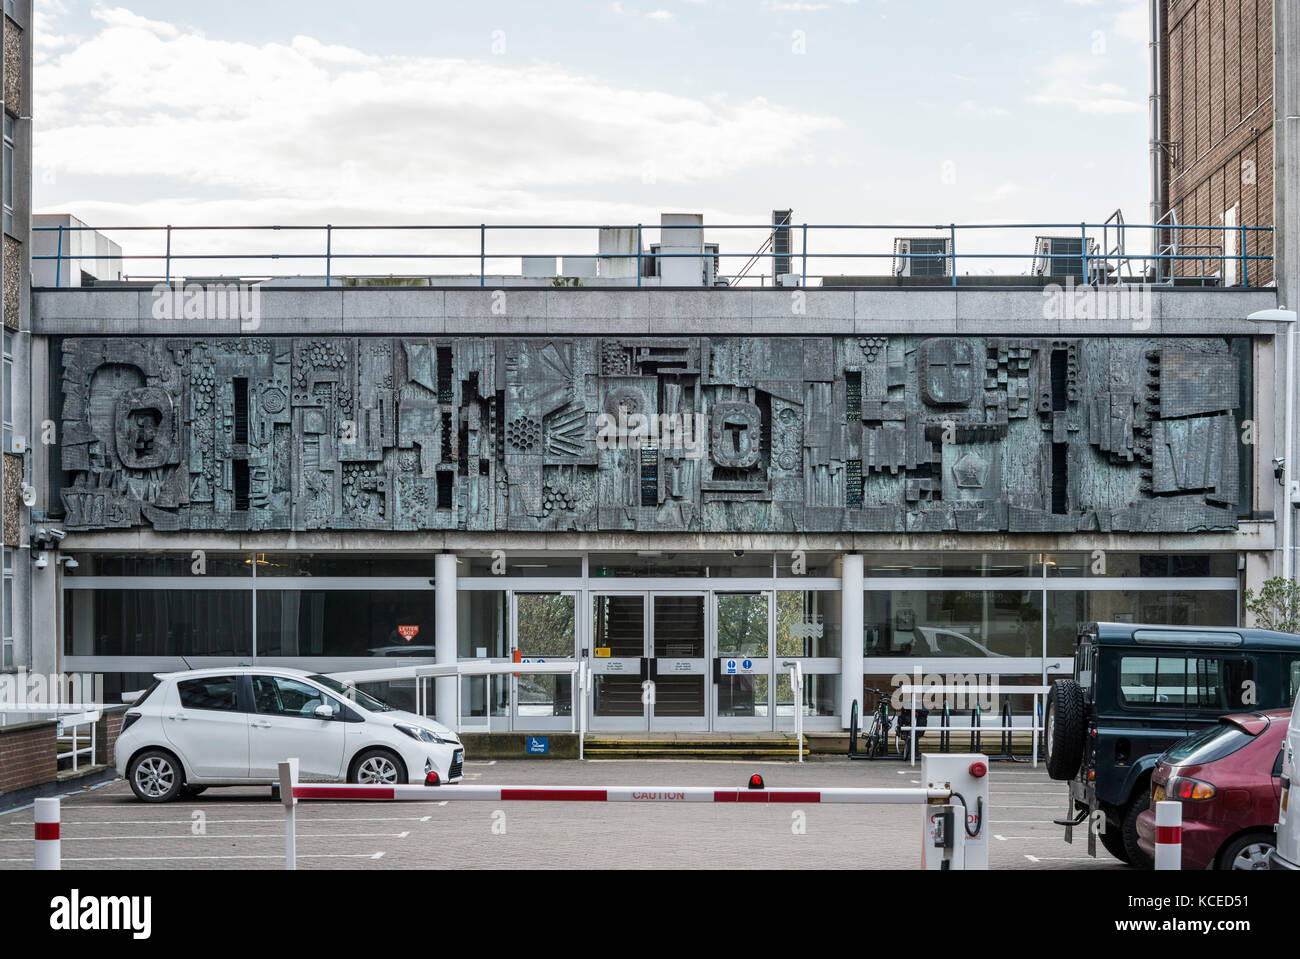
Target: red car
{"x":1228,"y":778}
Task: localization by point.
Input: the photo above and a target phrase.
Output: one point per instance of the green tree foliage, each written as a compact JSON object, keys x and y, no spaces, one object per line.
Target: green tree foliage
{"x":1277,"y":605}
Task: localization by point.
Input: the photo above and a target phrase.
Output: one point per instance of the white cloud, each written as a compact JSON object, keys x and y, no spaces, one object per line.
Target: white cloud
{"x":305,"y":128}
{"x":1073,"y":81}
{"x":662,"y":15}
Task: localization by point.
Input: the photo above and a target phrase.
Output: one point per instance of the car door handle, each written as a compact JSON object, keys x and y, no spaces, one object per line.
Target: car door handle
{"x":262,"y":725}
{"x":178,"y":716}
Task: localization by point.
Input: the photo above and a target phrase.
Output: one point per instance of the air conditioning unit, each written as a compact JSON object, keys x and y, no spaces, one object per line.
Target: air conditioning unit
{"x":922,"y":256}
{"x":1063,"y":256}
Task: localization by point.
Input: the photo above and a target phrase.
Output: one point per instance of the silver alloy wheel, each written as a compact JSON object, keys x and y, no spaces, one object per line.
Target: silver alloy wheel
{"x":1050,"y":732}
{"x":1254,"y":856}
{"x":155,"y":777}
{"x":378,"y":770}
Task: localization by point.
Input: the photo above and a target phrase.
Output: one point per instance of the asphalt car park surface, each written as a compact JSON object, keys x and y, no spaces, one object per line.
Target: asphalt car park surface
{"x":243,"y":827}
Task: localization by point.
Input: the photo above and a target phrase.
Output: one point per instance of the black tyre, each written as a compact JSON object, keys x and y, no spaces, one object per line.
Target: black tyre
{"x":1064,"y":732}
{"x":187,"y":790}
{"x":1246,"y":852}
{"x":155,"y":776}
{"x":1112,"y":839}
{"x":378,"y":767}
{"x":1128,"y":831}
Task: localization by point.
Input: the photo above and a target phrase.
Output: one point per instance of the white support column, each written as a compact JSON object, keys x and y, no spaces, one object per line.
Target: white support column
{"x":850,"y":634}
{"x":444,"y":604}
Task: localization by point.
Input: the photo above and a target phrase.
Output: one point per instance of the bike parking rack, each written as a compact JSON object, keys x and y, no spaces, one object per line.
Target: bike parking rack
{"x":956,"y":791}
{"x":976,"y":728}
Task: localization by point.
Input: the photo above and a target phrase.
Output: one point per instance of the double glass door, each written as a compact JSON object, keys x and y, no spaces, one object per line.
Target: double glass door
{"x":649,"y":662}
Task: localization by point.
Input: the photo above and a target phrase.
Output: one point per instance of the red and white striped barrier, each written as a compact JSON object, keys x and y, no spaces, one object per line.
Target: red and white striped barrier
{"x":955,"y":784}
{"x":48,"y":853}
{"x":621,"y":794}
{"x":1169,"y":834}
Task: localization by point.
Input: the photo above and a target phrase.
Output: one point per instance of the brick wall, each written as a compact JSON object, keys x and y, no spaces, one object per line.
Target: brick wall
{"x":106,"y":733}
{"x":1219,"y":115}
{"x":28,"y":755}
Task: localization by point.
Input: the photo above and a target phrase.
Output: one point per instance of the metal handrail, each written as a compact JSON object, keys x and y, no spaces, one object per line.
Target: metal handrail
{"x":326,"y":252}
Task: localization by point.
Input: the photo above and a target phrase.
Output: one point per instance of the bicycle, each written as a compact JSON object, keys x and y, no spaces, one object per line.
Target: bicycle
{"x":878,"y":734}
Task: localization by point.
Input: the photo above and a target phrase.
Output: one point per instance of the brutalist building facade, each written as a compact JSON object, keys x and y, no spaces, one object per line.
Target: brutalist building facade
{"x":691,"y":487}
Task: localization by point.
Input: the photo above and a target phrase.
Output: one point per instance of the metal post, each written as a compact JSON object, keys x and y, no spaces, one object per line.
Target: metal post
{"x":168,"y":261}
{"x":58,"y":261}
{"x":482,"y":254}
{"x":804,"y":256}
{"x":1083,"y":230}
{"x":639,"y":248}
{"x":329,"y":244}
{"x":288,"y":780}
{"x":1245,"y":260}
{"x":47,"y":834}
{"x":952,"y":254}
{"x":1169,"y":835}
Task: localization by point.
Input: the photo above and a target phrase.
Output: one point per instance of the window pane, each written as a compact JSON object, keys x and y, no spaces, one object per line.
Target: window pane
{"x":384,"y":623}
{"x":808,"y":623}
{"x":162,"y":564}
{"x":280,"y":696}
{"x":210,"y":692}
{"x":947,"y":623}
{"x":742,"y":624}
{"x":951,"y":564}
{"x":159,"y":622}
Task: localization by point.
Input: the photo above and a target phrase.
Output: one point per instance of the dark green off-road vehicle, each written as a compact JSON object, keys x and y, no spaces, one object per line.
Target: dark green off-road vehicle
{"x":1136,"y":690}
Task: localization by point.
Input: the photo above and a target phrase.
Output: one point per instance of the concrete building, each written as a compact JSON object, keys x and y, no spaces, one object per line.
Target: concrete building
{"x":15,"y":300}
{"x":680,"y":460}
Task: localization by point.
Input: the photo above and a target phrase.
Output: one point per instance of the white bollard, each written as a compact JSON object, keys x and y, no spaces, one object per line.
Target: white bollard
{"x":48,"y":852}
{"x":288,"y":779}
{"x":1169,"y":835}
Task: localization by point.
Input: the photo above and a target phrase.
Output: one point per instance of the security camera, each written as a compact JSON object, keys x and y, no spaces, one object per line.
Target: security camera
{"x":29,"y":495}
{"x":42,"y":560}
{"x":1279,"y":466}
{"x":57,"y":534}
{"x":737,"y":553}
{"x":68,"y":562}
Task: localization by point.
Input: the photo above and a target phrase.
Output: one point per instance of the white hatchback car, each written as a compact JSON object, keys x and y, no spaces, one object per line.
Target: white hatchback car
{"x":233,"y":725}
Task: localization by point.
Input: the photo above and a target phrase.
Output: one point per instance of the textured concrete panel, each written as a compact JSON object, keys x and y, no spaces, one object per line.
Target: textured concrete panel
{"x":883,"y":433}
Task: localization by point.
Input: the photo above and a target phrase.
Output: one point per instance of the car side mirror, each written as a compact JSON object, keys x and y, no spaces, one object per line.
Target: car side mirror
{"x":325,"y":712}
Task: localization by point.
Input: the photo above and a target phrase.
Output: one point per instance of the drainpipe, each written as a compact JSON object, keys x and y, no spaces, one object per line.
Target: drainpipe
{"x":1156,"y":111}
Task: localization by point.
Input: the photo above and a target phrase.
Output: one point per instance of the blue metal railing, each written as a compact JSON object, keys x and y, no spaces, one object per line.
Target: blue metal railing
{"x":1101,"y":264}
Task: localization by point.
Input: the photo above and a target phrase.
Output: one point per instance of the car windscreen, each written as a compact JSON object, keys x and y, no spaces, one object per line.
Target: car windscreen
{"x":364,"y":700}
{"x":1212,"y":743}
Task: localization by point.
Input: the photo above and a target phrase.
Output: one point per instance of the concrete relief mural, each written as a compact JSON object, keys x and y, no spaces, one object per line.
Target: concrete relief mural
{"x":819,"y":434}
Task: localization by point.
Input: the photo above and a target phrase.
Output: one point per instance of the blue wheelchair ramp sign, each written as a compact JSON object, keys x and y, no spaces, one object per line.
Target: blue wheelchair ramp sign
{"x":537,"y":745}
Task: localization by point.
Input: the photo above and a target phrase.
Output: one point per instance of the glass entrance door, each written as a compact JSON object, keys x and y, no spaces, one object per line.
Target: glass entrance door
{"x":678,"y":664}
{"x":619,"y":664}
{"x":648,"y":662}
{"x":742,"y":662}
{"x":543,"y":628}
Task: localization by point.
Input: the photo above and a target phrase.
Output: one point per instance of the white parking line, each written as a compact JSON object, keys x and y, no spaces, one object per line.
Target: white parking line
{"x":1060,"y":858}
{"x":322,"y":855}
{"x":260,"y":835}
{"x":210,"y":822}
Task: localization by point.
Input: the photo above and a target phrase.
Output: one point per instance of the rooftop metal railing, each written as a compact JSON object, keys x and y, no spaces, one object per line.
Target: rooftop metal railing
{"x":1102,"y":256}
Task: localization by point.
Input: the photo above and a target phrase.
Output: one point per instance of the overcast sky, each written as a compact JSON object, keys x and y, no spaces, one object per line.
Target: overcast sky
{"x":884,"y":111}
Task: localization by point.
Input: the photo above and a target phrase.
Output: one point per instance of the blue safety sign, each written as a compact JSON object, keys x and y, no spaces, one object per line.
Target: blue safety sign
{"x":537,"y":745}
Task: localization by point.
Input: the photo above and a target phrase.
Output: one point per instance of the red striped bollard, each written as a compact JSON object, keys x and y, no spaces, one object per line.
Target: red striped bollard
{"x":47,"y":834}
{"x":1169,"y":835}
